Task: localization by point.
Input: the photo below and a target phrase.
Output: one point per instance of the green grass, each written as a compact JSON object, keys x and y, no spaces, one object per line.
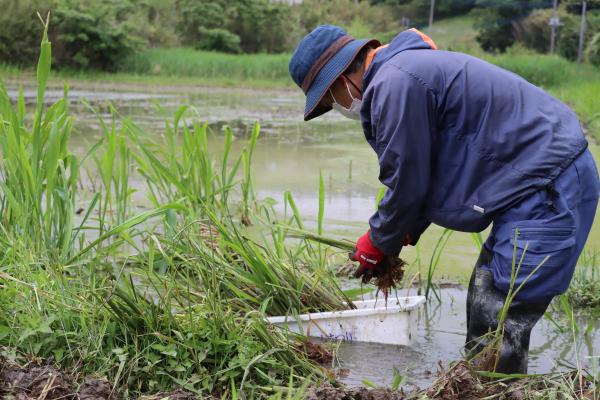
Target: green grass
{"x":584,"y":291}
{"x":581,"y":93}
{"x":209,"y":65}
{"x":455,"y":34}
{"x":173,"y":296}
{"x":8,"y":72}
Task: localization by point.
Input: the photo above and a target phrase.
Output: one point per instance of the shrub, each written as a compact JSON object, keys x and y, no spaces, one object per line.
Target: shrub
{"x":361,"y":20}
{"x":494,"y":30}
{"x":418,"y":10}
{"x":574,"y":6}
{"x":495,"y":19}
{"x":234,"y":26}
{"x":592,"y":52}
{"x":533,"y":31}
{"x":91,"y":34}
{"x":20,"y":33}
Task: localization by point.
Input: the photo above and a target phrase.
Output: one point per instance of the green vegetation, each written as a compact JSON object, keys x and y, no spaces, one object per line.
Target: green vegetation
{"x":533,"y":32}
{"x":494,"y":21}
{"x":584,"y":291}
{"x":592,"y":53}
{"x":233,"y":26}
{"x":455,"y":34}
{"x":418,"y":10}
{"x":174,"y":296}
{"x":185,"y":62}
{"x":99,"y":35}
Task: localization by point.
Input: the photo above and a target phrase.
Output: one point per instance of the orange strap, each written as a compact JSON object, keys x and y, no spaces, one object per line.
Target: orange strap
{"x":371,"y":55}
{"x":373,"y":52}
{"x":425,"y":38}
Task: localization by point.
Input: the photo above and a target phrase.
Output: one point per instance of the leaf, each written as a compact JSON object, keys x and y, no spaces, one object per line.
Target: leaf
{"x":4,"y":331}
{"x":369,"y":383}
{"x":321,"y":203}
{"x":27,"y":332}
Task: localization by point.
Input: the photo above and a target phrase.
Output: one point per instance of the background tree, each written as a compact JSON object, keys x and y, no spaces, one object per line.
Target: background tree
{"x":20,"y":31}
{"x":93,"y":34}
{"x":495,"y":19}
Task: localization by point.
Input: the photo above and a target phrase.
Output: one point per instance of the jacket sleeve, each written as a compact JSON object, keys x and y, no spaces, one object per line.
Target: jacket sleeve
{"x":402,"y":124}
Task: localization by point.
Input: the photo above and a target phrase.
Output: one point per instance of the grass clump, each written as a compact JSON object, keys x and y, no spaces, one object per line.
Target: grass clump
{"x":584,"y":291}
{"x":541,"y":70}
{"x":206,"y":65}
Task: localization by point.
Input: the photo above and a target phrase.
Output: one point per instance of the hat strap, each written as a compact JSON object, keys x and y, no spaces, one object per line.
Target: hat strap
{"x":323,"y":59}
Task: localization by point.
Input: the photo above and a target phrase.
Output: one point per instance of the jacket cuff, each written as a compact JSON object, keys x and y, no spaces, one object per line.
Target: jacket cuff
{"x":389,"y":248}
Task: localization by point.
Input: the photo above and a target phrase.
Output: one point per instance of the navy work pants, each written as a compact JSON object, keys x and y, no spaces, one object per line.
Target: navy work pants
{"x":549,"y":228}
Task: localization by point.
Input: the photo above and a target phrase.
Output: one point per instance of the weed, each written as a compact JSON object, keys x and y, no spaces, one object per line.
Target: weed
{"x":187,"y":308}
{"x":584,"y":291}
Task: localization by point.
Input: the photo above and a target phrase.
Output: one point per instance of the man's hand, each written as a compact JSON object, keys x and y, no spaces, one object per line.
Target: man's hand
{"x":370,"y":258}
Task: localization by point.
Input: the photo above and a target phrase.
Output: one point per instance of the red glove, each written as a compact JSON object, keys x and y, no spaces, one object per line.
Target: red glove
{"x":369,"y":256}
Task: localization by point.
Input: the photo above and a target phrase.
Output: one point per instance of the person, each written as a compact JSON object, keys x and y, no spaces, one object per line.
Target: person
{"x":463,"y":144}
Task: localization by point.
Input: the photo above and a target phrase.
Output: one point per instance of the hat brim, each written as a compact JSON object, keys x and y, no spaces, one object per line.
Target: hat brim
{"x":328,"y":74}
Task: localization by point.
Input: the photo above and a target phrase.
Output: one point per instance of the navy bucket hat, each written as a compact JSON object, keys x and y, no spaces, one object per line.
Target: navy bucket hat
{"x":320,"y":58}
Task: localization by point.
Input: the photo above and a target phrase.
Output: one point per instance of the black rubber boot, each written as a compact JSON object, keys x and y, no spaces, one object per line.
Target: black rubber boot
{"x":484,"y":302}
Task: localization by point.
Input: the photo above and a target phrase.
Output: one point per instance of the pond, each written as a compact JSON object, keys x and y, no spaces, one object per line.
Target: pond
{"x":290,"y":156}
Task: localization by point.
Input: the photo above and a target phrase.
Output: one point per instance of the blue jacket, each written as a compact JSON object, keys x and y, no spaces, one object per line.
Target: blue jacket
{"x":458,"y":140}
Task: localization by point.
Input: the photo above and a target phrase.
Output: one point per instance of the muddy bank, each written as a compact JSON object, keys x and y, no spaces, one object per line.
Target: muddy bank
{"x":461,"y":382}
{"x":329,"y":392}
{"x":42,"y":381}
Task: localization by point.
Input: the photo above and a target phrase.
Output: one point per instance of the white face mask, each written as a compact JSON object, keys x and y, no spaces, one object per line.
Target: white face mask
{"x":353,"y":112}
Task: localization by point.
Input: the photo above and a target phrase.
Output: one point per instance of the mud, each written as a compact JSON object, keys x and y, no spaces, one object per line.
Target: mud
{"x":329,"y":392}
{"x":462,"y":382}
{"x":45,"y":382}
{"x":42,"y":381}
{"x":316,"y":352}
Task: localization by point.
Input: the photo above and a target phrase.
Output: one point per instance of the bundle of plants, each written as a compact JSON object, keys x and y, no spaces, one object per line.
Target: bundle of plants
{"x":463,"y":380}
{"x":113,"y":329}
{"x":254,"y":276}
{"x":386,"y":279}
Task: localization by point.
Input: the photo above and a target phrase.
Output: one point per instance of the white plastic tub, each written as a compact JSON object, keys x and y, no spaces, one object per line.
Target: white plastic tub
{"x":372,"y":322}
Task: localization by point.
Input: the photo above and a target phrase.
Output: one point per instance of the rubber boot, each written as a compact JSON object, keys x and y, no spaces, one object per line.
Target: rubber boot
{"x":484,"y":302}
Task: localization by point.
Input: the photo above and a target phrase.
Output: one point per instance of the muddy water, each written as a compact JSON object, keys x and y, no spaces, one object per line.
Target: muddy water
{"x":441,"y":335}
{"x":290,"y":156}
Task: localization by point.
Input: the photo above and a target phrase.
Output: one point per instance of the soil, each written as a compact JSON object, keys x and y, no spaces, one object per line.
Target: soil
{"x":329,"y":392}
{"x":42,"y":381}
{"x":45,"y":382}
{"x":316,"y":352}
{"x":460,"y":382}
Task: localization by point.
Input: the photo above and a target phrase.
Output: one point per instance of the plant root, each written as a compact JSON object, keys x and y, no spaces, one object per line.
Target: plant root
{"x":393,"y":272}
